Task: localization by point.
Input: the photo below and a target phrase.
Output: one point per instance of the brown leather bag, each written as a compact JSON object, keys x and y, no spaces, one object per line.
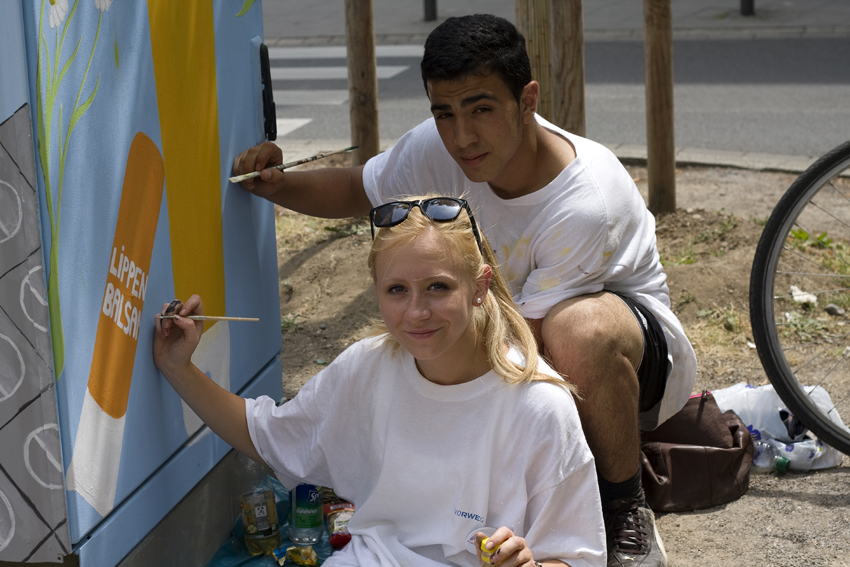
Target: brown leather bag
{"x":699,"y":458}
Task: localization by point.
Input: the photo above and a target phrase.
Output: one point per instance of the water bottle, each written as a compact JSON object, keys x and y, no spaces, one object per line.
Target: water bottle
{"x":305,"y":516}
{"x":258,"y":510}
{"x":802,"y":454}
{"x":767,"y":458}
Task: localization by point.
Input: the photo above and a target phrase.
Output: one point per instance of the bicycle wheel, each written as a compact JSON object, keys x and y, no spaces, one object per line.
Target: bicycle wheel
{"x":800,"y":297}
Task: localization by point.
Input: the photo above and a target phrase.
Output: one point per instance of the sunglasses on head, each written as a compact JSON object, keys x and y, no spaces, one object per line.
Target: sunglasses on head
{"x":438,"y":209}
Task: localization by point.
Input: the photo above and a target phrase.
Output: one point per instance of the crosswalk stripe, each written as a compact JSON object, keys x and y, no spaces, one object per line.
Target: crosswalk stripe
{"x":325,"y":97}
{"x":328,"y":97}
{"x":323,"y":73}
{"x":287,"y":125}
{"x":339,"y":52}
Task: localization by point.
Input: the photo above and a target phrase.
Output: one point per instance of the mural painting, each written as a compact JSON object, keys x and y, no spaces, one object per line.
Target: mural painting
{"x":118,"y":125}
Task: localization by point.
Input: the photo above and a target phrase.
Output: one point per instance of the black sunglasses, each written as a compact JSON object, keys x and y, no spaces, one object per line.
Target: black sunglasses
{"x":438,"y":209}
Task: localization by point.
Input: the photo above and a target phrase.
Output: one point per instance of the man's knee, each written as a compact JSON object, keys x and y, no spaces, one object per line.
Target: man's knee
{"x":587,"y":331}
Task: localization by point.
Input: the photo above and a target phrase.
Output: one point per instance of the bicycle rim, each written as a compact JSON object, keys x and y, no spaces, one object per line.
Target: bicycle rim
{"x":801,"y":268}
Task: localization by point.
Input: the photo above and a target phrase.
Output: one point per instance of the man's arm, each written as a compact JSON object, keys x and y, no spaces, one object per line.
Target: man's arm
{"x":327,"y":192}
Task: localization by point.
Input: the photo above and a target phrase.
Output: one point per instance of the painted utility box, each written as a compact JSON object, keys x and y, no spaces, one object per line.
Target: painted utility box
{"x":119,"y":123}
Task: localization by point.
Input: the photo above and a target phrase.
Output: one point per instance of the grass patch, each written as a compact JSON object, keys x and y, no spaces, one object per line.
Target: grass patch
{"x":717,"y":232}
{"x":686,"y":256}
{"x":295,"y":231}
{"x":722,"y":333}
{"x":803,"y":327}
{"x":685,"y":298}
{"x":290,"y":321}
{"x":830,"y":253}
{"x":841,"y":299}
{"x":727,"y":318}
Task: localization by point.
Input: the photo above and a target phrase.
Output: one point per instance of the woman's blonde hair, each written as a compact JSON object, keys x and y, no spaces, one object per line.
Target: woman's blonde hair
{"x":498,"y":322}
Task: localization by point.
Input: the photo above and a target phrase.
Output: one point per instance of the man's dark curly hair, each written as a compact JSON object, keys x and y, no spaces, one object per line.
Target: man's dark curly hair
{"x":477,"y":45}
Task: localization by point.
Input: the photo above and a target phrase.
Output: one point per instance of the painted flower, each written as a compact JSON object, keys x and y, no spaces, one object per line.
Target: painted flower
{"x":102,"y":5}
{"x":58,"y":11}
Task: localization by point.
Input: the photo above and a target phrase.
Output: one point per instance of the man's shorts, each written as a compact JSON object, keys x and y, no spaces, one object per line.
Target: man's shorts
{"x":654,"y":365}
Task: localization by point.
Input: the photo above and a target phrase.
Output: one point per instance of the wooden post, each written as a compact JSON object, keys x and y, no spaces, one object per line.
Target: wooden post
{"x":660,"y":144}
{"x":362,"y":79}
{"x":532,"y":18}
{"x":568,"y":66}
{"x":430,"y":10}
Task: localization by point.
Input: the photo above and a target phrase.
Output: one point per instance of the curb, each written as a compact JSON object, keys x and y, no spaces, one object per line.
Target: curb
{"x":630,"y":154}
{"x":730,"y":33}
{"x":636,"y":155}
{"x":635,"y":34}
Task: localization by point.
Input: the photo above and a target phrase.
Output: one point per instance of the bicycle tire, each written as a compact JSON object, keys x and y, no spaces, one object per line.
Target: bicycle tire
{"x":801,"y":344}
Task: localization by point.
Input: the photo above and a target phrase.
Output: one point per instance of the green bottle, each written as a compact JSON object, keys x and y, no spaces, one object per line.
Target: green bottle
{"x":305,"y":515}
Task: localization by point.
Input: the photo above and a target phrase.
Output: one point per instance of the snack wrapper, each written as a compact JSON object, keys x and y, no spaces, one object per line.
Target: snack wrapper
{"x":337,"y":512}
{"x":297,"y":555}
{"x":337,"y":524}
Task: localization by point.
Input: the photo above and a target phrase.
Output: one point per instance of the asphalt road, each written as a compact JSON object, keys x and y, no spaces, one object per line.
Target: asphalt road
{"x":786,"y":96}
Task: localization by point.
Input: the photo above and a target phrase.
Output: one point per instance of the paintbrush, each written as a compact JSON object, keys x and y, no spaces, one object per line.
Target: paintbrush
{"x":210,"y":318}
{"x":253,"y":174}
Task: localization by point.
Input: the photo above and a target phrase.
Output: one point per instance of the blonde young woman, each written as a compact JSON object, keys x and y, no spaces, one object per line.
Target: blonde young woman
{"x":442,"y":429}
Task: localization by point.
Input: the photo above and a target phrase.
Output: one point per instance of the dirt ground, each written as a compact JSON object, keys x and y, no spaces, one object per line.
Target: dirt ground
{"x":707,"y":246}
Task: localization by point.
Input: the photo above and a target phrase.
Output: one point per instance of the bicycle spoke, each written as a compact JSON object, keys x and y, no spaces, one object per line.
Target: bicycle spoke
{"x":818,"y":240}
{"x":835,"y":406}
{"x":831,"y":370}
{"x":811,"y":274}
{"x":789,"y":296}
{"x":837,"y":190}
{"x":810,"y":344}
{"x":828,"y":213}
{"x":810,"y":360}
{"x":807,"y":259}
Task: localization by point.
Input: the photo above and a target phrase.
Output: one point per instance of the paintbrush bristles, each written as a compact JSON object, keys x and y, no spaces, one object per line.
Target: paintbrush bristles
{"x":253,"y":174}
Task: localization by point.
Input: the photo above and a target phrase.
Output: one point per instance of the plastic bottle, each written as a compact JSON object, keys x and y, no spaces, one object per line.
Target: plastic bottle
{"x":767,"y":458}
{"x":259,"y":512}
{"x":305,"y":516}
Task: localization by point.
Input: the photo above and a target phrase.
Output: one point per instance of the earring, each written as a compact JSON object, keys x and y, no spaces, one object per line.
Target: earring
{"x":478,"y":301}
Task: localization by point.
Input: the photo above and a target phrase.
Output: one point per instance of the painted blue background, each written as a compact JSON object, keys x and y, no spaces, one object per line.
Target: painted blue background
{"x":125,"y":104}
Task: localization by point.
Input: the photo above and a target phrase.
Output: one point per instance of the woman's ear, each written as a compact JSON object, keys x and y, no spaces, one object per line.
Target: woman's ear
{"x":482,"y":284}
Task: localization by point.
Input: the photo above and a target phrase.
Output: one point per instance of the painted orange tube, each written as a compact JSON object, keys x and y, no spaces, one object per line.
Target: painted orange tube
{"x":97,"y":449}
{"x":127,"y":280}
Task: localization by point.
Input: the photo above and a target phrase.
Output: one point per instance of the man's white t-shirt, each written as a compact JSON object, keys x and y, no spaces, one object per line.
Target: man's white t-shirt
{"x":428,"y":465}
{"x":588,"y":230}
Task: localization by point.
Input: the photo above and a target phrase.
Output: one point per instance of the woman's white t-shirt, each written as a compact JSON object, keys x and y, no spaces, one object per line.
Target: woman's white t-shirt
{"x":428,"y":465}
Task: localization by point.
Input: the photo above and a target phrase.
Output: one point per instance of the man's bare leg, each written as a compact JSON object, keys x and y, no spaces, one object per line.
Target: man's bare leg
{"x":596,"y":342}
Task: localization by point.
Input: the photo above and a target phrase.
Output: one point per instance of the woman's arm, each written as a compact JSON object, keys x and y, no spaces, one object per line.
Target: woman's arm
{"x":224,"y":412}
{"x":220,"y":410}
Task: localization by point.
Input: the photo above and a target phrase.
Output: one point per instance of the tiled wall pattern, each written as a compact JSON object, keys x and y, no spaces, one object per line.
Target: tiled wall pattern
{"x":33,"y":518}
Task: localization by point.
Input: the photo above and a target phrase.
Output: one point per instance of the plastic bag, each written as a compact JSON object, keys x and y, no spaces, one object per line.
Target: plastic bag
{"x":767,"y":418}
